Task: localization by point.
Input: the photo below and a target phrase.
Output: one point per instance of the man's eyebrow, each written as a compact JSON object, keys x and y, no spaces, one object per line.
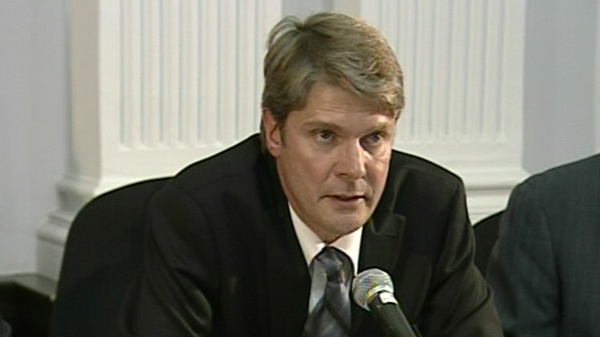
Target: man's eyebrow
{"x":383,"y":126}
{"x":380,"y":127}
{"x":322,"y":125}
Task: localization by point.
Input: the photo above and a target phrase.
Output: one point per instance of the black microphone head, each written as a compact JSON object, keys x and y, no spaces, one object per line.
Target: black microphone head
{"x":369,"y":283}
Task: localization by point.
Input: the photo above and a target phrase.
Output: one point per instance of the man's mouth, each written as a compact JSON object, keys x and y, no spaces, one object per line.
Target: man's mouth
{"x":347,"y":198}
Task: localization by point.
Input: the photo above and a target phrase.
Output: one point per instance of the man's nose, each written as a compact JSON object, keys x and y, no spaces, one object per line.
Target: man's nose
{"x":351,"y":161}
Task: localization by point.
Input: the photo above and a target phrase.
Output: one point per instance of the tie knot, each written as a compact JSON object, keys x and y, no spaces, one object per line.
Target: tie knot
{"x":337,"y":264}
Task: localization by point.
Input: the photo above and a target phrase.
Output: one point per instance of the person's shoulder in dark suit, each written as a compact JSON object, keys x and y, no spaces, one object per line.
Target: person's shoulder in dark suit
{"x":242,"y":158}
{"x":573,"y":177}
{"x":406,"y":163}
{"x":424,"y":180}
{"x":540,"y":266}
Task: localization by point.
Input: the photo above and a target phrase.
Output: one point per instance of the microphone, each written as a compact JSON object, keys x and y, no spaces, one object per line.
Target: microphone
{"x":373,"y":290}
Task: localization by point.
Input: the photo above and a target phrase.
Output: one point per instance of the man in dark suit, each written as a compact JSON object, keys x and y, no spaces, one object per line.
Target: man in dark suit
{"x":544,"y":266}
{"x":232,"y":239}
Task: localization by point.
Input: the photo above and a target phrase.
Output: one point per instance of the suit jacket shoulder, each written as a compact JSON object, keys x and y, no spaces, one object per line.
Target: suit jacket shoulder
{"x":568,"y":178}
{"x":420,"y":165}
{"x":417,"y":186}
{"x":565,"y":193}
{"x":242,"y":158}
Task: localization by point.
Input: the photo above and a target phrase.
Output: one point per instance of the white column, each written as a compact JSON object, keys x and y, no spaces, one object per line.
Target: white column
{"x":463,"y":67}
{"x":597,"y":80}
{"x":155,"y":85}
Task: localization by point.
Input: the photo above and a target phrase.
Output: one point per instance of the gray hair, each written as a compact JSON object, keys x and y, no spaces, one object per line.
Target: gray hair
{"x":332,"y":48}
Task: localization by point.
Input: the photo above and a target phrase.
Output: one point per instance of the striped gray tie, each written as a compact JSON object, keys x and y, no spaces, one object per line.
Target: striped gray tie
{"x":330,"y":315}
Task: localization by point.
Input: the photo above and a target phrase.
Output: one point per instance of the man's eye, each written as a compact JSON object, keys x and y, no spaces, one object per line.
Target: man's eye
{"x":374,"y":139}
{"x":325,"y":136}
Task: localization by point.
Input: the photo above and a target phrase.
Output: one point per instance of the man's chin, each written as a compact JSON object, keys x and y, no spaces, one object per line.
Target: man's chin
{"x":349,"y":226}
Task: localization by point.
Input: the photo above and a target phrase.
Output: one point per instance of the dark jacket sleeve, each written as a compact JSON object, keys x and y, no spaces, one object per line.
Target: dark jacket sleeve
{"x":172,"y":296}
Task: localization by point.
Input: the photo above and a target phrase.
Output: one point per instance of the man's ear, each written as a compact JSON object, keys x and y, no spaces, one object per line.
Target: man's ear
{"x":272,"y":133}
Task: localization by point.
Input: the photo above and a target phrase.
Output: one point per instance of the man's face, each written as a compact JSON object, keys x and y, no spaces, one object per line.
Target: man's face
{"x":332,"y":158}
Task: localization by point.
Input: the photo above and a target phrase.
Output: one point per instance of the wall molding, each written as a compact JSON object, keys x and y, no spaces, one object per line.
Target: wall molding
{"x":156,"y":85}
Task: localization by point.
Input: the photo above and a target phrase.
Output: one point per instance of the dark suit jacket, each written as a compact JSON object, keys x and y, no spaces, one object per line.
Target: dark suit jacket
{"x":5,"y":329}
{"x":222,"y":258}
{"x":545,"y":267}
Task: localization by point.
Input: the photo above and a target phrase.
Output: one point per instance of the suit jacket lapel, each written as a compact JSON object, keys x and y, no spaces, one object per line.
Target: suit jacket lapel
{"x":380,"y":248}
{"x":287,"y":283}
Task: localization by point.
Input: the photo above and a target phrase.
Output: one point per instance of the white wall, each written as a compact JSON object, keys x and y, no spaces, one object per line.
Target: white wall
{"x":559,"y":96}
{"x":306,"y":7}
{"x":33,"y":123}
{"x":560,"y":92}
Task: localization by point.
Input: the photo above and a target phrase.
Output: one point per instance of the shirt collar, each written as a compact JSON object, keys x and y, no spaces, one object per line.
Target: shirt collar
{"x":311,"y":244}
